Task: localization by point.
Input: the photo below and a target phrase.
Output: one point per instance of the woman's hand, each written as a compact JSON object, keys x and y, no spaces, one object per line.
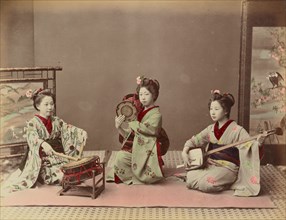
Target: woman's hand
{"x":47,"y":148}
{"x":119,"y":120}
{"x":186,"y":158}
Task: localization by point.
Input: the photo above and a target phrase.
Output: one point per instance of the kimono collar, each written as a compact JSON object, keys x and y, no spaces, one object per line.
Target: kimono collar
{"x":218,"y":132}
{"x":144,"y":112}
{"x":47,"y":122}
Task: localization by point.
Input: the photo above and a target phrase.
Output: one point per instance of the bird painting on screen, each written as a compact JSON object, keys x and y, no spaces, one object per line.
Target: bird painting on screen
{"x":276,"y":79}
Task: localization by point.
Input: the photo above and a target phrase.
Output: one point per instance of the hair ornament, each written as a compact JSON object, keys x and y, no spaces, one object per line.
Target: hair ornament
{"x":139,"y":79}
{"x":38,"y":91}
{"x":215,"y":91}
{"x":29,"y":93}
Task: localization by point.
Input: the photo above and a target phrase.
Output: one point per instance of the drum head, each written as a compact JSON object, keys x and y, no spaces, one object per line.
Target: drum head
{"x":128,"y":109}
{"x":80,"y":162}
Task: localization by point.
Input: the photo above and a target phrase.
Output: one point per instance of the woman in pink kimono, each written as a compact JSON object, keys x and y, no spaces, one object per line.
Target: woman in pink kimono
{"x":139,"y":161}
{"x":237,"y":167}
{"x":45,"y":135}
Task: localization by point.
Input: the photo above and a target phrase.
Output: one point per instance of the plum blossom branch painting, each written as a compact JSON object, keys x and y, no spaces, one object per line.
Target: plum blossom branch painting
{"x":268,"y":74}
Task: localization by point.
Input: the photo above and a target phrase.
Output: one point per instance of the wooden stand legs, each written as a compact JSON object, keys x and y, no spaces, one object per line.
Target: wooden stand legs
{"x":88,"y":191}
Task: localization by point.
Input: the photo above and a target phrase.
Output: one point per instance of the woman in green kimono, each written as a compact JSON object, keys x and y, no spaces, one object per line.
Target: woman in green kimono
{"x":233,"y":168}
{"x":139,"y":161}
{"x":45,"y":135}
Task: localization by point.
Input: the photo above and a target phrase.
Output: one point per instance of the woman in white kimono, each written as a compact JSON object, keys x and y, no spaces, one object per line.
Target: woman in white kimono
{"x":45,"y":134}
{"x":236,"y":167}
{"x":139,"y":161}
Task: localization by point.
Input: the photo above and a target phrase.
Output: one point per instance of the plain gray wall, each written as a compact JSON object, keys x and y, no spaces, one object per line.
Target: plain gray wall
{"x":16,"y":33}
{"x":189,"y":47}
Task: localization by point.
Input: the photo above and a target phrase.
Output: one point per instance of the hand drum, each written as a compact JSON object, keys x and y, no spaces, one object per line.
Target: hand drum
{"x":127,"y":109}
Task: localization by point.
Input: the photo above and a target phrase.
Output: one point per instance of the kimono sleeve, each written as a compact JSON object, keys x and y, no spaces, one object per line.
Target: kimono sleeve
{"x":73,"y":138}
{"x":248,"y":180}
{"x":151,"y":126}
{"x":199,"y":140}
{"x":32,"y":136}
{"x":242,"y":135}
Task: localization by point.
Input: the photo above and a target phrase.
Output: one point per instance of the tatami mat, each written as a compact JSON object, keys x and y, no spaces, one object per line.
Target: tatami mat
{"x":42,"y":213}
{"x":273,"y":181}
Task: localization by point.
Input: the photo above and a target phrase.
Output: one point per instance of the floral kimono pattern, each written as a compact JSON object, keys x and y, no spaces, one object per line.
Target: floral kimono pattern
{"x":143,"y":165}
{"x":47,"y":167}
{"x":219,"y":174}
